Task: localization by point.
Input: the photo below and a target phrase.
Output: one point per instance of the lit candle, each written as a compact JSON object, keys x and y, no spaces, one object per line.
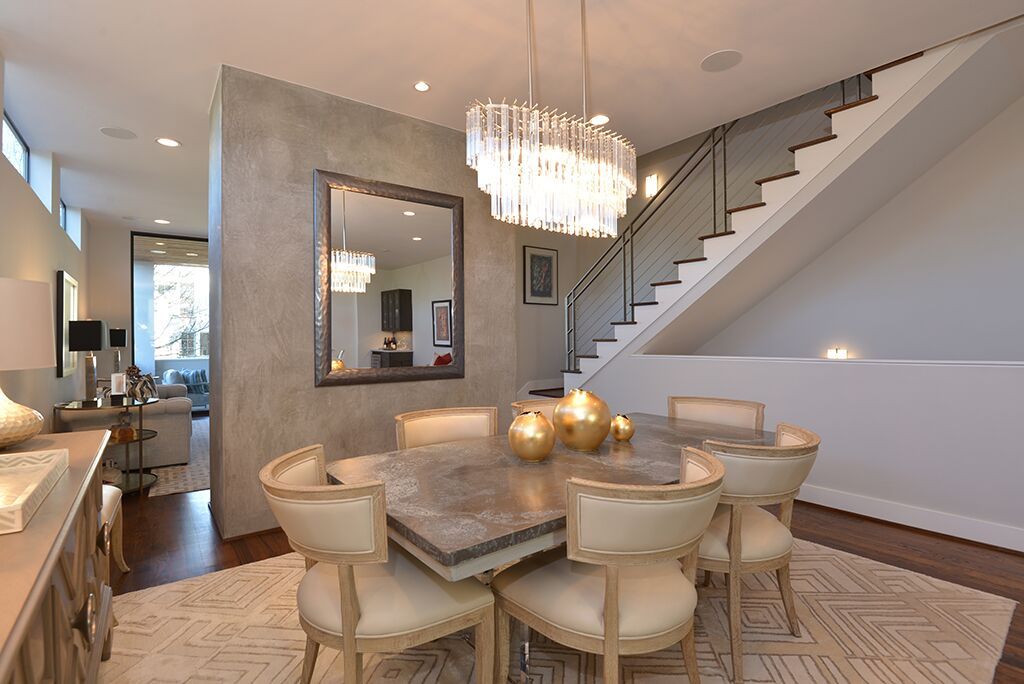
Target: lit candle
{"x":117,"y":383}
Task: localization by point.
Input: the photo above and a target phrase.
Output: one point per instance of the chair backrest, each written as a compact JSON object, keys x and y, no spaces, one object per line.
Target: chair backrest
{"x":610,"y":524}
{"x":731,"y":412}
{"x":340,"y":524}
{"x":545,"y":406}
{"x":432,"y":426}
{"x":766,"y":474}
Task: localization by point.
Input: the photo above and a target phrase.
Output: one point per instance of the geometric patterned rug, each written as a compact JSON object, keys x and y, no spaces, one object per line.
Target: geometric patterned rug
{"x":191,"y":477}
{"x":861,"y":621}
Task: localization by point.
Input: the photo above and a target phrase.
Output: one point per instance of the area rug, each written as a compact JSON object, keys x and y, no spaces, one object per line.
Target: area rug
{"x":862,"y":621}
{"x":193,"y":476}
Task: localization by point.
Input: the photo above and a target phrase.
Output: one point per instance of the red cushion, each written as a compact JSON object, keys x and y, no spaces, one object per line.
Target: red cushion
{"x":443,"y":359}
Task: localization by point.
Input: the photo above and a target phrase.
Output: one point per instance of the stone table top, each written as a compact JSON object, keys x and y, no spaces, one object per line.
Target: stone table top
{"x":458,"y":501}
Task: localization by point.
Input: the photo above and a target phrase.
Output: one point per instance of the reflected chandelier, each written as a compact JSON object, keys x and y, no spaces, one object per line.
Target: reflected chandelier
{"x":548,"y":170}
{"x":350,"y":269}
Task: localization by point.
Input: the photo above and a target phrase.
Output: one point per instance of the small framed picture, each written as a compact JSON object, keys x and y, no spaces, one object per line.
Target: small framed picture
{"x":67,"y":311}
{"x":540,"y":276}
{"x":442,"y":317}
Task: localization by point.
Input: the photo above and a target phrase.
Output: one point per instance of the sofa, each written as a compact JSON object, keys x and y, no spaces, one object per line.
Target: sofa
{"x":171,"y":417}
{"x":196,"y":382}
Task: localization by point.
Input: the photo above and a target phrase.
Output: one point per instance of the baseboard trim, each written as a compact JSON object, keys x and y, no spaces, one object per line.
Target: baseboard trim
{"x":982,"y":531}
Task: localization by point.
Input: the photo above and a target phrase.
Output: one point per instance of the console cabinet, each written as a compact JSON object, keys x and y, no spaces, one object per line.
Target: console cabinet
{"x":396,"y":310}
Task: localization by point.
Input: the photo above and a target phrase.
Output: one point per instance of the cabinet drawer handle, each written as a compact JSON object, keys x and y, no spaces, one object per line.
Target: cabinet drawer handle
{"x":103,"y":539}
{"x":85,"y":621}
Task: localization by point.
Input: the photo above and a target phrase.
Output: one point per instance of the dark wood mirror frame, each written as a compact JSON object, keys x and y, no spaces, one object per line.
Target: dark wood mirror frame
{"x":324,"y":182}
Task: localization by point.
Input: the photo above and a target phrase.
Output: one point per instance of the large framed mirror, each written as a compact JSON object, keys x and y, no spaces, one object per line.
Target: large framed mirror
{"x":389,"y":282}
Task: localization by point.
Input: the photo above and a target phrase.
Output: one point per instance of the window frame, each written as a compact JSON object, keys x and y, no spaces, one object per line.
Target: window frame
{"x":21,"y":139}
{"x":62,"y":216}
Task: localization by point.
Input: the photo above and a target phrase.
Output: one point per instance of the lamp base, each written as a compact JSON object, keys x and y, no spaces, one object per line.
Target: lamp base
{"x":17,"y":423}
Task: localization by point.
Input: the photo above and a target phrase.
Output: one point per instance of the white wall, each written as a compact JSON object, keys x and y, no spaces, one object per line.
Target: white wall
{"x":926,"y":444}
{"x":934,"y":274}
{"x":108,"y":250}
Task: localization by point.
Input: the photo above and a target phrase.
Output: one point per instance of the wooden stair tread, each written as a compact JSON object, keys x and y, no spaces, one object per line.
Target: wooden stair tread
{"x":690,"y":261}
{"x":644,"y":304}
{"x":550,"y":393}
{"x":896,"y":62}
{"x":570,"y":370}
{"x":816,"y":141}
{"x":755,"y":205}
{"x":778,"y":176}
{"x":714,"y":235}
{"x":605,"y":339}
{"x":850,"y":105}
{"x":623,"y":322}
{"x":666,"y":282}
{"x":587,"y":356}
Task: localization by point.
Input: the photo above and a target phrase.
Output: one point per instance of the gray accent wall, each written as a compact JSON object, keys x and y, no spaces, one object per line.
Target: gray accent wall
{"x":267,"y":137}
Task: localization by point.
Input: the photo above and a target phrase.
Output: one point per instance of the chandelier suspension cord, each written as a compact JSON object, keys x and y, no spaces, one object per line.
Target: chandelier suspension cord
{"x":344,"y":228}
{"x":583,"y":34}
{"x":529,"y":46}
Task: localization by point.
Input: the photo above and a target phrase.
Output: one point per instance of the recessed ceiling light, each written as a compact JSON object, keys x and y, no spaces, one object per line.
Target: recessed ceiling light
{"x":721,"y":60}
{"x":160,"y":244}
{"x":162,"y":222}
{"x":421,"y":86}
{"x":417,"y":239}
{"x":191,"y":254}
{"x":119,"y":133}
{"x":158,"y":251}
{"x":168,"y":142}
{"x":599,"y":119}
{"x":408,"y":213}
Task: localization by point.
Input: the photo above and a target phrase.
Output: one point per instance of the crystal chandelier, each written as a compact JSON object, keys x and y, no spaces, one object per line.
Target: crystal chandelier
{"x":548,"y":170}
{"x":350,"y":269}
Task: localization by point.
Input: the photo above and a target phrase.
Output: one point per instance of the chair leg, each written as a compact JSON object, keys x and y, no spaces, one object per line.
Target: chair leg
{"x":353,"y":667}
{"x":689,"y":645}
{"x":707,"y":579}
{"x":788,"y":600}
{"x":503,"y":644}
{"x":484,"y":646}
{"x":309,"y":660}
{"x":735,"y":625}
{"x":117,"y":541}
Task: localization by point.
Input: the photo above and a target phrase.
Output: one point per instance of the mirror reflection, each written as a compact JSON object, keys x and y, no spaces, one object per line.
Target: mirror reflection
{"x":391,"y":282}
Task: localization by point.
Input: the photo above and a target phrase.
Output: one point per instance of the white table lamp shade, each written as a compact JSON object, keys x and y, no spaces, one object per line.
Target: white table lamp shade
{"x":26,"y":325}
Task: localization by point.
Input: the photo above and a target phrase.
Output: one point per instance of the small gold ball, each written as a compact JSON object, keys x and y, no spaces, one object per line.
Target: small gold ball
{"x":337,"y":365}
{"x":531,"y":436}
{"x":582,"y":420}
{"x":622,"y":428}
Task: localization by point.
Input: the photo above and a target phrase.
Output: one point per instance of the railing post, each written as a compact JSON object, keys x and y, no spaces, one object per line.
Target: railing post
{"x":625,"y":291}
{"x":714,"y":184}
{"x":725,"y":182}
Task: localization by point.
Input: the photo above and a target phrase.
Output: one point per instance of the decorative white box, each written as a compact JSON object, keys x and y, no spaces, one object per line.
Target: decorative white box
{"x":26,"y":479}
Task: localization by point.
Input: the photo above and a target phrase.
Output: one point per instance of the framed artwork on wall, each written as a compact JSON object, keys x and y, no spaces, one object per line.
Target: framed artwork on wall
{"x":442,"y":318}
{"x":540,"y":276}
{"x":67,"y":311}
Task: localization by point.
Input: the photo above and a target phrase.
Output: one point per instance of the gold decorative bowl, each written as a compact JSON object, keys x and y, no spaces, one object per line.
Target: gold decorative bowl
{"x":531,"y":436}
{"x":582,"y":420}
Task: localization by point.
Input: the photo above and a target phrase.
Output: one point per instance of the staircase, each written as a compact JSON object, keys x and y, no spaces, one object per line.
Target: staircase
{"x":709,"y":245}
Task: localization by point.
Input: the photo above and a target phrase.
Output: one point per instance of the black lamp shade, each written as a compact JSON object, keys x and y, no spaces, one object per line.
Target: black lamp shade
{"x":87,"y":336}
{"x":118,"y":338}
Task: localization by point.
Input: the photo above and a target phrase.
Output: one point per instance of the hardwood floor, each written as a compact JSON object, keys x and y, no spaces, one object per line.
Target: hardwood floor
{"x":173,"y":537}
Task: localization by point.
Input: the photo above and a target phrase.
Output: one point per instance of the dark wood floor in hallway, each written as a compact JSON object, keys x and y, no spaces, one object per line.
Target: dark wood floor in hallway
{"x":173,"y":537}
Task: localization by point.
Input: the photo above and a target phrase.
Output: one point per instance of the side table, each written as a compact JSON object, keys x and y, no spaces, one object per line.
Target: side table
{"x":131,"y":481}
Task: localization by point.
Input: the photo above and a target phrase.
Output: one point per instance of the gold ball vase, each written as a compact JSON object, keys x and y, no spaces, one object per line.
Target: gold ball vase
{"x":531,"y":436}
{"x":582,"y":420}
{"x":622,"y":428}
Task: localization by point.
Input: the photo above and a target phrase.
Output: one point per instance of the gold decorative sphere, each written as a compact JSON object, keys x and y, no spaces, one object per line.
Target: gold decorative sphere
{"x":622,"y":428}
{"x":531,"y":436}
{"x":337,"y":365}
{"x":582,"y":420}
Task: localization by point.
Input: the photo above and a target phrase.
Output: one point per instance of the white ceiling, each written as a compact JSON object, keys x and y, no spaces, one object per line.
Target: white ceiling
{"x":378,"y":225}
{"x":74,"y":67}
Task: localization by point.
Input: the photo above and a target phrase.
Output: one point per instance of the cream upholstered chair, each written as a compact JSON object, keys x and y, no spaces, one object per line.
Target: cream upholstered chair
{"x":743,"y":537}
{"x":432,"y":426}
{"x":545,"y":406}
{"x":360,"y":594}
{"x":732,"y":412}
{"x":110,"y":514}
{"x":621,"y":589}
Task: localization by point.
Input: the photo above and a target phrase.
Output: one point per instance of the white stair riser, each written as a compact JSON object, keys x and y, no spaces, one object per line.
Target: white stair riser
{"x":852,"y":122}
{"x":779,"y":191}
{"x":746,"y":222}
{"x":694,"y":271}
{"x":643,"y":315}
{"x":588,"y":366}
{"x":892,"y":83}
{"x":716,"y":249}
{"x":810,"y":160}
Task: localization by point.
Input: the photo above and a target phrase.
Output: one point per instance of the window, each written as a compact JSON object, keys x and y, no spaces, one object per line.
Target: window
{"x":63,"y":216}
{"x":181,"y":314}
{"x":14,"y":147}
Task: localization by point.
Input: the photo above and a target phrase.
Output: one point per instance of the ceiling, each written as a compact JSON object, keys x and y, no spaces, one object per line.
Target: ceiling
{"x":74,"y":67}
{"x":174,"y":251}
{"x":378,"y":225}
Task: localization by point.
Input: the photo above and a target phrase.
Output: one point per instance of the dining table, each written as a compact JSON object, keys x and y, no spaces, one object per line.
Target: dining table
{"x":468,"y":507}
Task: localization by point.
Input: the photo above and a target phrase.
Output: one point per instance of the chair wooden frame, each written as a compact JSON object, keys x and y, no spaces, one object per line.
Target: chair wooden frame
{"x":351,"y":646}
{"x":116,"y":522}
{"x":735,"y":567}
{"x":610,"y":646}
{"x":525,"y":405}
{"x":755,"y":406}
{"x":403,"y":418}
